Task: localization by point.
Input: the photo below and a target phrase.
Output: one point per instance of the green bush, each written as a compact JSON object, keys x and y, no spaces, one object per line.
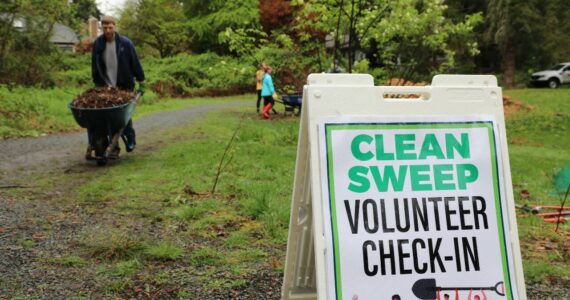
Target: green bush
{"x":198,"y":75}
{"x":205,"y":74}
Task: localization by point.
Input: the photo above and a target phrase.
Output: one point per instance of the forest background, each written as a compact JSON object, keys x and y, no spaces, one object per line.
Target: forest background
{"x":194,"y":47}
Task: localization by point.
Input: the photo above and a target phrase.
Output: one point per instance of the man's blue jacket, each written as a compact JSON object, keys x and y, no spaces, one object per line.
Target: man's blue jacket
{"x":129,"y":66}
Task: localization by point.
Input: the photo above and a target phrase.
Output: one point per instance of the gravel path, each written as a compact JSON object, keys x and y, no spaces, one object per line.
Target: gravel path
{"x":28,"y":154}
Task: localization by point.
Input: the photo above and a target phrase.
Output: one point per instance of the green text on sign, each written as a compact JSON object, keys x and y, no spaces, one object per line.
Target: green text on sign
{"x":422,"y":177}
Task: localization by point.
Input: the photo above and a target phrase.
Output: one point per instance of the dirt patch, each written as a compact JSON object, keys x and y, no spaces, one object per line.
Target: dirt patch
{"x":512,"y":106}
{"x":540,"y":246}
{"x":265,"y":284}
{"x":101,"y":97}
{"x":403,"y":82}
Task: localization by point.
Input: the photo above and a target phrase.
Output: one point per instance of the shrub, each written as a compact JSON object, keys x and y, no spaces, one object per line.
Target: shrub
{"x":206,"y":74}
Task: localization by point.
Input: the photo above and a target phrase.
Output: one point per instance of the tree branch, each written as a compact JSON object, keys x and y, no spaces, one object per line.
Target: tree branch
{"x":228,"y":146}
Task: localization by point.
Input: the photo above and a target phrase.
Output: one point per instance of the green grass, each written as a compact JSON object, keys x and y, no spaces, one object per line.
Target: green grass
{"x":206,"y":256}
{"x":539,"y":142}
{"x":123,"y":268}
{"x":164,"y":251}
{"x":188,"y":212}
{"x":68,"y":261}
{"x":26,"y":243}
{"x":539,"y":147}
{"x":110,"y":243}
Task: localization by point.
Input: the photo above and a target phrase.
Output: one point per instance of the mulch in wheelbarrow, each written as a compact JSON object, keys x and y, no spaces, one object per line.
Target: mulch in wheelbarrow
{"x":103,"y":97}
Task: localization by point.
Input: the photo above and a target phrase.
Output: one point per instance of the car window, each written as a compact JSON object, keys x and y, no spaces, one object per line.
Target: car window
{"x":567,"y":69}
{"x":556,"y":68}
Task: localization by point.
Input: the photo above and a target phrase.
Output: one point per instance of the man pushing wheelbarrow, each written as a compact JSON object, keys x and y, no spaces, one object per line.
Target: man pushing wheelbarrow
{"x":114,"y":63}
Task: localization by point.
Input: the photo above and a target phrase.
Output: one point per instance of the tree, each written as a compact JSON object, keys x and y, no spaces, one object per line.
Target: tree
{"x":411,"y":37}
{"x":25,"y":50}
{"x":404,"y":37}
{"x":160,"y":24}
{"x":533,"y":32}
{"x":207,"y":19}
{"x":275,"y":14}
{"x":83,"y":9}
{"x":286,"y":40}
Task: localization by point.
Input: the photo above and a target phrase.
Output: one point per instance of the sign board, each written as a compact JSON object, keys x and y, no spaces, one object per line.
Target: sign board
{"x":402,"y":198}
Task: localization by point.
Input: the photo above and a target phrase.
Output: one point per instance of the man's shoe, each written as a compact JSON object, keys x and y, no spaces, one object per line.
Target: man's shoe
{"x":89,"y":153}
{"x":115,"y":153}
{"x":131,"y":141}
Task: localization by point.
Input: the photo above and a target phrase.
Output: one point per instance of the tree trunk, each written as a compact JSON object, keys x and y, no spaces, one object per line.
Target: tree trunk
{"x":509,"y":63}
{"x":335,"y":62}
{"x":351,"y":37}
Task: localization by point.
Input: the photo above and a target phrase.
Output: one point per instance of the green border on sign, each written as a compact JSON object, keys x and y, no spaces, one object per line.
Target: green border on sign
{"x":329,"y":127}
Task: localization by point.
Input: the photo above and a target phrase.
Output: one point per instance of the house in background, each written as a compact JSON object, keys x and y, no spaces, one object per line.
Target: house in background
{"x":64,"y":37}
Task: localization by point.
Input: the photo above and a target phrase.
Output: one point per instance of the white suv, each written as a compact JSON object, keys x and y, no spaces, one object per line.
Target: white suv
{"x":552,"y":77}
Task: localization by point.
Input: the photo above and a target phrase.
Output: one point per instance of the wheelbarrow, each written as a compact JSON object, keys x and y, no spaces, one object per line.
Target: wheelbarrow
{"x":292,"y":102}
{"x":105,"y":124}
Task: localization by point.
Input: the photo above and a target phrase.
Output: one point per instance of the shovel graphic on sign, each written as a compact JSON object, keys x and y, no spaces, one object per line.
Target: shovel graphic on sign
{"x":426,"y":289}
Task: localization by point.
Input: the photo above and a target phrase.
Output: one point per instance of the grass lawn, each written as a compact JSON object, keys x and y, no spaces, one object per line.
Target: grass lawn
{"x":539,"y":148}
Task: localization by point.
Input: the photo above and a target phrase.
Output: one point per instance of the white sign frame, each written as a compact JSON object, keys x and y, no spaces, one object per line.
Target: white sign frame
{"x":341,"y":96}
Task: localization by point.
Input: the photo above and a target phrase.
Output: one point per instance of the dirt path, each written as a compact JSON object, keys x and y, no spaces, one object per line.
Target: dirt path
{"x":29,"y":155}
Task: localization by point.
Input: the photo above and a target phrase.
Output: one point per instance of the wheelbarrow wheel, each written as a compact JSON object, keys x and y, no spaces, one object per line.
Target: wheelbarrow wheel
{"x":101,"y":162}
{"x":101,"y":144}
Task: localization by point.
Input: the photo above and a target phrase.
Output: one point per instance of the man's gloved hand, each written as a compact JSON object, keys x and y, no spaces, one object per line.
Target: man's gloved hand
{"x":275,"y":96}
{"x":141,"y":88}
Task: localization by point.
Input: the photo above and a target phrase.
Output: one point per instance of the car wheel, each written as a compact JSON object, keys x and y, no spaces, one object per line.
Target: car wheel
{"x":553,"y":83}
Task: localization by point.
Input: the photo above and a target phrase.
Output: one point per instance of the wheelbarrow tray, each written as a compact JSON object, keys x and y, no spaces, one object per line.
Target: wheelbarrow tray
{"x":292,"y":100}
{"x":109,"y":118}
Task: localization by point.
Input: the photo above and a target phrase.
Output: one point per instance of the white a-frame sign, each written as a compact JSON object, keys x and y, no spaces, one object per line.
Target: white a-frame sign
{"x":398,"y":198}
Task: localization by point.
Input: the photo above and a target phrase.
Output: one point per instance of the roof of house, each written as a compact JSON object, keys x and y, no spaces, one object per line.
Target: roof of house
{"x":63,"y":35}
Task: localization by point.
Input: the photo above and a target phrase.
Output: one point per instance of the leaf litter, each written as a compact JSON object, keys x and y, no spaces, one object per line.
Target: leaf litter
{"x":103,"y":97}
